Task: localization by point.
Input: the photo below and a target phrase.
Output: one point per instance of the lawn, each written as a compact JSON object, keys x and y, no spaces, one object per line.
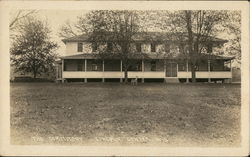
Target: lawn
{"x":116,"y":114}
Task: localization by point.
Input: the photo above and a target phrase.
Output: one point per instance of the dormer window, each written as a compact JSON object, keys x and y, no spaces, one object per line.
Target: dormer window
{"x":79,"y":47}
{"x":138,"y":47}
{"x":153,"y":47}
{"x":94,"y":46}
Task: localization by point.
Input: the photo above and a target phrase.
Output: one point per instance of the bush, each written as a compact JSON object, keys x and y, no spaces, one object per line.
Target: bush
{"x":30,"y":79}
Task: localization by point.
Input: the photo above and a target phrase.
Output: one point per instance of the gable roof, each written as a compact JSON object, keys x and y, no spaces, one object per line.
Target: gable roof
{"x":144,"y":36}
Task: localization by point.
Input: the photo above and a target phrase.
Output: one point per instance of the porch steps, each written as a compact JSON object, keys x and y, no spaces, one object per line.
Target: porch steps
{"x":172,"y":80}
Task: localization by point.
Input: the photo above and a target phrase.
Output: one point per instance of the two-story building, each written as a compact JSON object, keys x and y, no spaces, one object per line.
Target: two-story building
{"x":82,"y":64}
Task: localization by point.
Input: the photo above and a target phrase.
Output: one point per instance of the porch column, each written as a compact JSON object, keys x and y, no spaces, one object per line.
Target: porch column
{"x":62,"y":70}
{"x":208,"y":64}
{"x":231,"y":69}
{"x":121,"y":71}
{"x":85,"y":69}
{"x":142,"y":68}
{"x":187,"y":79}
{"x":103,"y":79}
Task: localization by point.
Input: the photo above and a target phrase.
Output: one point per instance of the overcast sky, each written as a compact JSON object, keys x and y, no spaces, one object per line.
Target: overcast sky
{"x":56,"y":18}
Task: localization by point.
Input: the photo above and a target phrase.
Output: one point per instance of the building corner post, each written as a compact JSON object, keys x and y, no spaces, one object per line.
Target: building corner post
{"x":208,"y":67}
{"x":62,"y":70}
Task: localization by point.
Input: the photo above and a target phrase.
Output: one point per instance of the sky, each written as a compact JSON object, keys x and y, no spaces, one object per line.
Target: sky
{"x":56,"y":18}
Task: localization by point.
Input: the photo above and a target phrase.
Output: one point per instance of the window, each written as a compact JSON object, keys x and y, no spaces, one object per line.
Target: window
{"x":94,"y":67}
{"x":65,"y":65}
{"x":109,"y":46}
{"x":94,"y":46}
{"x":79,"y":47}
{"x":182,"y":66}
{"x":167,"y":48}
{"x":153,"y":65}
{"x":138,"y":66}
{"x":181,"y":48}
{"x":153,"y":47}
{"x":138,"y":47}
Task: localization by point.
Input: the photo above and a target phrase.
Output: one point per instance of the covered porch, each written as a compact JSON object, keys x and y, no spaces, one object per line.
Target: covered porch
{"x":85,"y":69}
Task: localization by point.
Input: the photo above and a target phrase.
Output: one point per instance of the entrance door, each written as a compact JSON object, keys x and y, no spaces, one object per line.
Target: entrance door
{"x":171,"y":70}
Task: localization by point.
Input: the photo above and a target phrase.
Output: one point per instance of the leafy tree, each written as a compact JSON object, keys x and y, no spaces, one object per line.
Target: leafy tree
{"x":192,"y":30}
{"x":233,"y":28}
{"x":114,"y":28}
{"x":197,"y":29}
{"x":32,"y":51}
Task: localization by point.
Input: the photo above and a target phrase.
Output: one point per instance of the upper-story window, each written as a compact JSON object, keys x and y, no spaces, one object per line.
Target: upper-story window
{"x":94,"y":46}
{"x":153,"y":47}
{"x":209,"y":48}
{"x":79,"y":47}
{"x":109,"y":46}
{"x":138,"y":47}
{"x":167,"y":48}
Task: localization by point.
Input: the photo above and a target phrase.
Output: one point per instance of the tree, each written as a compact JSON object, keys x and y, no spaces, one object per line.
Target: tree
{"x":233,"y":28}
{"x":32,"y":51}
{"x":109,"y":27}
{"x":197,"y":29}
{"x":18,"y":16}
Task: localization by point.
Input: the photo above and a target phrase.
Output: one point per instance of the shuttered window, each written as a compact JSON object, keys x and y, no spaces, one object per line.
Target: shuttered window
{"x":79,"y":47}
{"x":153,"y":47}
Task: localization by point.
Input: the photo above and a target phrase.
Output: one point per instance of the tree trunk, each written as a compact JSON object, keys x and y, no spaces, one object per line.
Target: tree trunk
{"x":34,"y":74}
{"x":126,"y":75}
{"x":190,"y":43}
{"x":193,"y":70}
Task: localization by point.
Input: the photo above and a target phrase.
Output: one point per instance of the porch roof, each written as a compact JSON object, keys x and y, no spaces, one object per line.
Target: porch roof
{"x":147,"y":56}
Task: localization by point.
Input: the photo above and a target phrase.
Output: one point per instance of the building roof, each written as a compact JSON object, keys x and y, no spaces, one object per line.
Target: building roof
{"x":144,"y":36}
{"x":148,"y":56}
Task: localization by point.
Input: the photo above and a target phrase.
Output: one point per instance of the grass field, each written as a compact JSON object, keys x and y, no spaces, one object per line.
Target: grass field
{"x":112,"y":113}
